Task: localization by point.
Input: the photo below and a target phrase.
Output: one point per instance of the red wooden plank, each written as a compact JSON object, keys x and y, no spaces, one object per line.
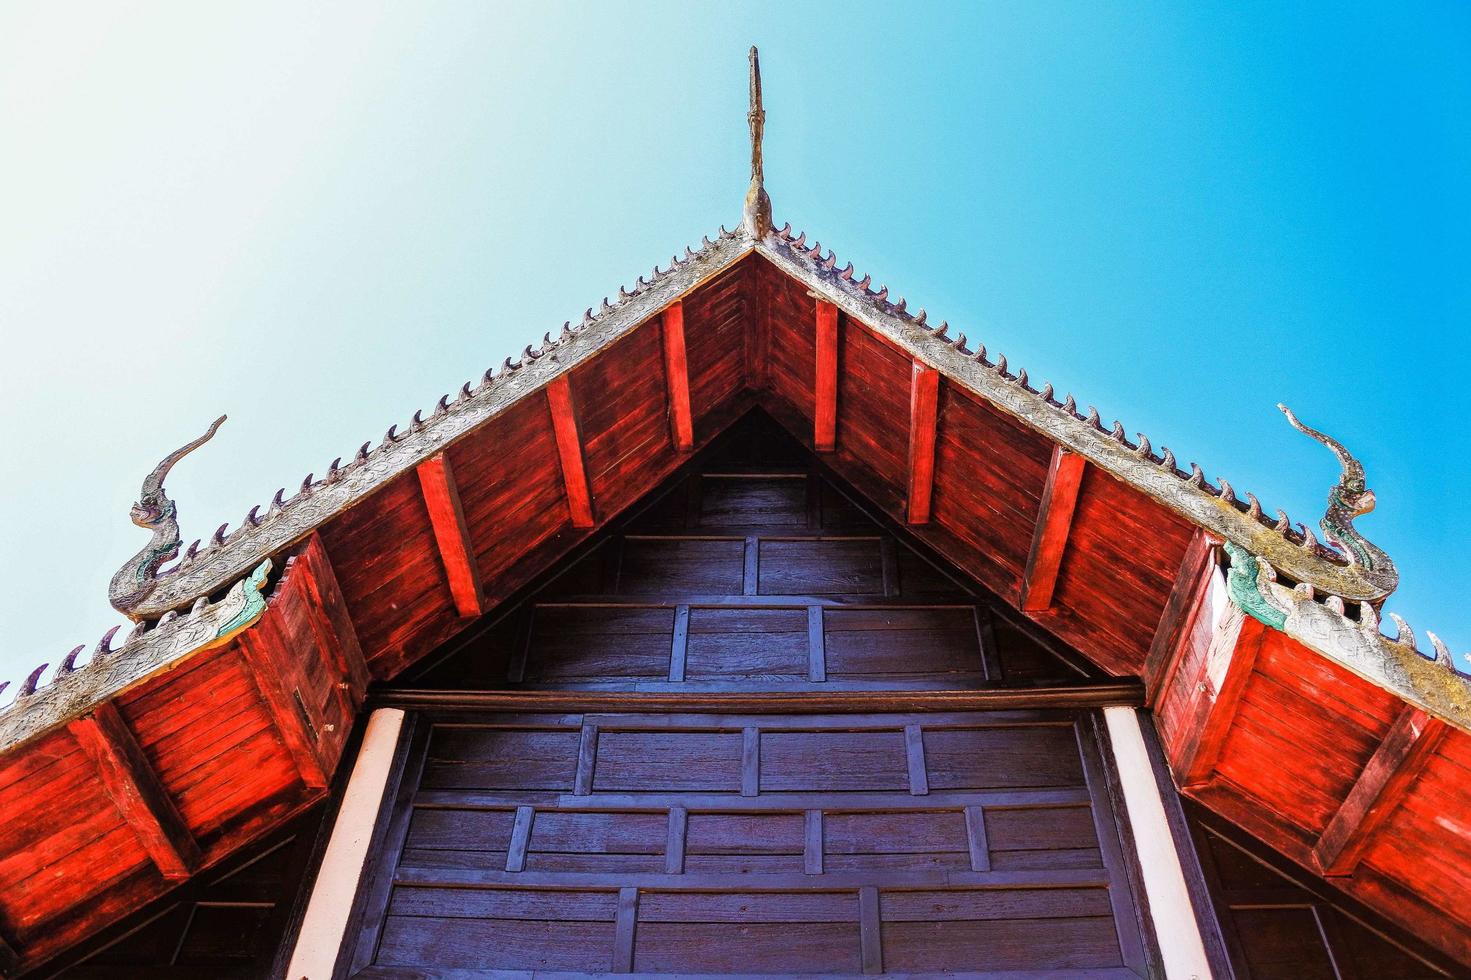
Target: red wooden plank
{"x":1240,"y":639}
{"x":1059,"y":498}
{"x":569,"y":450}
{"x":447,"y":518}
{"x":676,"y":372}
{"x":333,"y":622}
{"x":135,"y":788}
{"x":825,"y":385}
{"x":261,"y":647}
{"x":1192,"y":586}
{"x":924,"y":410}
{"x":1406,"y":749}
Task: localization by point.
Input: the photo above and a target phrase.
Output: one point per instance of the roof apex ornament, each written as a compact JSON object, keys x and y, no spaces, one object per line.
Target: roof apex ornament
{"x":756,"y":215}
{"x":1350,"y":498}
{"x":156,"y":512}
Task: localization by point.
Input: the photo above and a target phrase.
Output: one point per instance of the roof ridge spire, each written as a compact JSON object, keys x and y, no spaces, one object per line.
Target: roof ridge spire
{"x":756,"y":215}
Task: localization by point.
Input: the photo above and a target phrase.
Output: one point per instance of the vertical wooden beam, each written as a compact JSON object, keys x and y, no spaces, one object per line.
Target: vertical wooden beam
{"x":679,"y":819}
{"x":976,"y":839}
{"x":1230,"y":660}
{"x":751,"y":566}
{"x":1402,"y":756}
{"x":1187,"y":596}
{"x":869,"y":937}
{"x":587,"y":760}
{"x":924,"y":414}
{"x":919,"y":780}
{"x":816,"y":645}
{"x":812,"y":842}
{"x":569,"y":450}
{"x":676,"y":372}
{"x":335,"y":627}
{"x":624,"y":925}
{"x":750,"y":761}
{"x":261,"y":647}
{"x":1059,"y":499}
{"x":135,"y":789}
{"x":825,"y":384}
{"x":451,"y":534}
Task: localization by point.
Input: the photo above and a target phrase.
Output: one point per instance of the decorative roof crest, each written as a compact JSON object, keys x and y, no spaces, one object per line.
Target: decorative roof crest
{"x":1350,"y":498}
{"x":156,"y":512}
{"x":756,"y":215}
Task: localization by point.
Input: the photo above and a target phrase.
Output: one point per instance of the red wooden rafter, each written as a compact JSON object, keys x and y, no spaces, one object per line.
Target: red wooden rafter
{"x":1239,"y":640}
{"x":569,"y":451}
{"x":825,"y":383}
{"x":924,"y":411}
{"x":676,"y":372}
{"x":451,"y":534}
{"x":1186,"y":600}
{"x":135,"y":789}
{"x":265,"y":653}
{"x":1407,"y":747}
{"x":1054,"y":522}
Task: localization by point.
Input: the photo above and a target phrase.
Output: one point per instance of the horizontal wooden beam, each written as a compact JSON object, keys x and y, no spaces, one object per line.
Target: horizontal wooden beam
{"x":924,"y":417}
{"x":1400,"y":758}
{"x":569,"y":450}
{"x":1187,"y":598}
{"x":133,"y":786}
{"x":1054,"y":523}
{"x":1237,"y":643}
{"x":263,"y":652}
{"x":677,"y":376}
{"x":825,"y":382}
{"x":451,"y":534}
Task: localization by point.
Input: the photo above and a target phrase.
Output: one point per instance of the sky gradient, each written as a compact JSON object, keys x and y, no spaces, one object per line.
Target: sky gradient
{"x":319,"y":219}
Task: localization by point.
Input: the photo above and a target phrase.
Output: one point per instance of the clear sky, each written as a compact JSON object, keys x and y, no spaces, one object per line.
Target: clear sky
{"x":318,"y":219}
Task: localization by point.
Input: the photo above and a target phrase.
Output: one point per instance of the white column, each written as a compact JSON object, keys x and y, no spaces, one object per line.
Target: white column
{"x":1170,"y":907}
{"x":342,"y":865}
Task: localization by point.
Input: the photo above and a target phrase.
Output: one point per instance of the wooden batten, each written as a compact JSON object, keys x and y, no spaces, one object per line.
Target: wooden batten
{"x":1186,"y":601}
{"x":135,"y":789}
{"x":447,"y":517}
{"x":825,"y":381}
{"x":677,"y":376}
{"x":1054,"y":522}
{"x":266,"y":656}
{"x":1407,"y":747}
{"x":569,"y":451}
{"x":1236,"y":644}
{"x":924,"y":416}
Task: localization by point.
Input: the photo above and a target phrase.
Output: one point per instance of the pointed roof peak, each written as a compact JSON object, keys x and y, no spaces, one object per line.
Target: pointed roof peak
{"x":756,"y":215}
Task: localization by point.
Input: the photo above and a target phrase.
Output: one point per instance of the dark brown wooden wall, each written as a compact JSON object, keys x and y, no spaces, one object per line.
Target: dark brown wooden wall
{"x":752,"y":570}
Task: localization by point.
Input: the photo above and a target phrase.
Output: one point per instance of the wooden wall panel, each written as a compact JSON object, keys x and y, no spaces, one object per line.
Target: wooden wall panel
{"x":622,"y":407}
{"x":873,"y":416}
{"x":791,"y":323}
{"x":388,"y":567}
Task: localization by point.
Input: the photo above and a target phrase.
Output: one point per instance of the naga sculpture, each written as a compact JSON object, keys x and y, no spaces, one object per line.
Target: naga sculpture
{"x":157,"y":513}
{"x":1350,"y":498}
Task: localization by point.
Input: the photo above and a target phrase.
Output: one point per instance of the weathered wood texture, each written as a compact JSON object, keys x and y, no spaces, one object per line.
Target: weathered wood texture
{"x":677,"y":378}
{"x":1054,"y":523}
{"x":178,"y":773}
{"x":226,"y":925}
{"x":1330,"y":770}
{"x":1279,"y":922}
{"x":810,"y":852}
{"x":447,"y":518}
{"x":924,"y":408}
{"x":752,"y":571}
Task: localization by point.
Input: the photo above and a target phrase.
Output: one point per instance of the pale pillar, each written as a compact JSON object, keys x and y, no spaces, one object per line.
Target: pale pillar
{"x":337,"y":881}
{"x":1180,"y":942}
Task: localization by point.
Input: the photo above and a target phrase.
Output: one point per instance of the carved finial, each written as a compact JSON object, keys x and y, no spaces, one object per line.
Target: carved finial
{"x":1350,"y":498}
{"x":756,"y":216}
{"x":155,"y":512}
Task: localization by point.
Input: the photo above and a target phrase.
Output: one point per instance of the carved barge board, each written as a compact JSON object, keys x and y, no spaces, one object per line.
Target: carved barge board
{"x":1239,"y":639}
{"x":134,"y":787}
{"x":447,"y":517}
{"x":569,"y":450}
{"x":1406,"y":749}
{"x":676,"y":372}
{"x":1059,"y":499}
{"x":825,"y":384}
{"x":924,"y":410}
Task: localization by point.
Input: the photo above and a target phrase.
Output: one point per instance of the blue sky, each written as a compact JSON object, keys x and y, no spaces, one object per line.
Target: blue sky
{"x":318,"y":219}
